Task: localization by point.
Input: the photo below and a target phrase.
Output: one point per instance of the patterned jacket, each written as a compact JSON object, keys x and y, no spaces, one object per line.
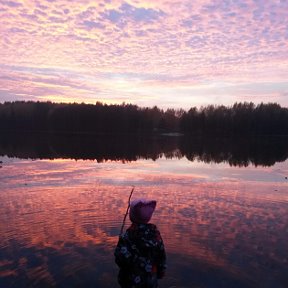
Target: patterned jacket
{"x":140,"y":255}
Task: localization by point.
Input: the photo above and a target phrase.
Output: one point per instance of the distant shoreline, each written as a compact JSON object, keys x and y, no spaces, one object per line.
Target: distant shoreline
{"x":241,"y":119}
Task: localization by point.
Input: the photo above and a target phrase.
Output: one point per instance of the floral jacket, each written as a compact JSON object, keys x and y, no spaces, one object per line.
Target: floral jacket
{"x":140,"y":255}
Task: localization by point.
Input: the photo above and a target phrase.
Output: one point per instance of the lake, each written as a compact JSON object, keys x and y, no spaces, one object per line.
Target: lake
{"x":222,"y":209}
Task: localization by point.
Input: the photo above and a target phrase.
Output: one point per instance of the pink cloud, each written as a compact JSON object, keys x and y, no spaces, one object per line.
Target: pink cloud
{"x":203,"y":42}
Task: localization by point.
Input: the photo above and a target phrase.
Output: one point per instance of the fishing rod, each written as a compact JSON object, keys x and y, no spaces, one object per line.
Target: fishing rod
{"x":123,"y":224}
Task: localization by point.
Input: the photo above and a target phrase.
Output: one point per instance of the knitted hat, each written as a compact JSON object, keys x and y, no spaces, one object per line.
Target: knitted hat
{"x":141,"y":210}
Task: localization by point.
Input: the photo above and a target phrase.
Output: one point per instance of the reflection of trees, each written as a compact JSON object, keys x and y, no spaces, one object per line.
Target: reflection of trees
{"x":264,"y":151}
{"x":87,"y":147}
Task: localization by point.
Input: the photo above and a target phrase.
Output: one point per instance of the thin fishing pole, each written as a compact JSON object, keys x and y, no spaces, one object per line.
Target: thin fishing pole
{"x":123,"y":224}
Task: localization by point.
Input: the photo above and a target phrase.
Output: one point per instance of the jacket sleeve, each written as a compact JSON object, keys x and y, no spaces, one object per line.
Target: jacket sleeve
{"x":122,"y":253}
{"x":161,"y":261}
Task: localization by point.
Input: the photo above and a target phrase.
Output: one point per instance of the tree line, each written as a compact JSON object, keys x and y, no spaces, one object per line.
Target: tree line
{"x":241,"y":118}
{"x":238,"y":119}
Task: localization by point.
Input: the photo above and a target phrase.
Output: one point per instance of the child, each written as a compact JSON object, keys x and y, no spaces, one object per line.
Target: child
{"x":140,"y":252}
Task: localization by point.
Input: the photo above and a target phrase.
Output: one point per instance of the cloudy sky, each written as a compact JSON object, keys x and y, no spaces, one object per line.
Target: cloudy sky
{"x":172,"y":53}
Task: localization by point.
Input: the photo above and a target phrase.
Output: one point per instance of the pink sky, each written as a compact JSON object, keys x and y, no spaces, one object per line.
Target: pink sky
{"x":174,"y":53}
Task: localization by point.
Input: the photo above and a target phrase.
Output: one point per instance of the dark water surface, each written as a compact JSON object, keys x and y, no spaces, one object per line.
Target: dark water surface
{"x":222,"y":210}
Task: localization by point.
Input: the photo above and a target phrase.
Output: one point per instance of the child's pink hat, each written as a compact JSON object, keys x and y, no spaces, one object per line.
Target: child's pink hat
{"x":141,"y":210}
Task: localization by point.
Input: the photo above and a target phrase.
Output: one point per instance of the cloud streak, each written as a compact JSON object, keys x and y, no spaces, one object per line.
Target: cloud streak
{"x":163,"y":53}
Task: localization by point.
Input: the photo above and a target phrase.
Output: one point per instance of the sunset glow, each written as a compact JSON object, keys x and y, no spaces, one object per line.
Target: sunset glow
{"x":166,"y":53}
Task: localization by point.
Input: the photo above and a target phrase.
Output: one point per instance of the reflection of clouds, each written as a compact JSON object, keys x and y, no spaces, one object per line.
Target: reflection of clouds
{"x":225,"y":227}
{"x":61,"y":214}
{"x":58,"y":172}
{"x":235,"y":225}
{"x":5,"y":270}
{"x":62,"y":225}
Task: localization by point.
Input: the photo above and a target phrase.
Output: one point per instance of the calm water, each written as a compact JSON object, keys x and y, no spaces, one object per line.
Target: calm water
{"x":224,"y":220}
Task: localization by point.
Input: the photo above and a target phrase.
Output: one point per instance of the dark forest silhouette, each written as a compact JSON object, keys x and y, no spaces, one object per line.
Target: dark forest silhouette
{"x":239,"y":119}
{"x":262,"y":151}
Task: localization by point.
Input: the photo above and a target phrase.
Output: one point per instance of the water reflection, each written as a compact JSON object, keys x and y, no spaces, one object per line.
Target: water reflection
{"x":222,"y":226}
{"x":265,"y":151}
{"x":57,"y":236}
